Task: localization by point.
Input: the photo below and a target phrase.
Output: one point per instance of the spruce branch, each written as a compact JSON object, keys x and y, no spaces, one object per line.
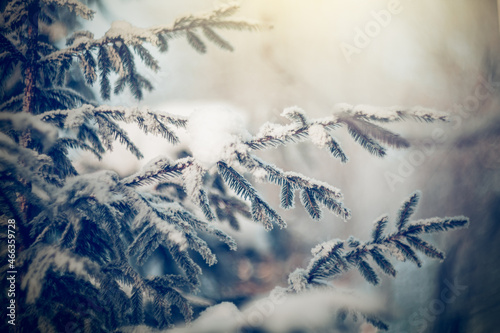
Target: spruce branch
{"x":379,"y":227}
{"x":123,"y":35}
{"x":74,"y":6}
{"x":261,"y":211}
{"x":309,"y":201}
{"x":10,"y":51}
{"x":158,"y":171}
{"x":82,"y":119}
{"x":335,"y":257}
{"x":360,"y":125}
{"x":216,"y":39}
{"x":193,"y":184}
{"x":204,"y":226}
{"x":390,"y":114}
{"x":226,"y":207}
{"x":92,"y":234}
{"x":407,"y":209}
{"x":311,"y":190}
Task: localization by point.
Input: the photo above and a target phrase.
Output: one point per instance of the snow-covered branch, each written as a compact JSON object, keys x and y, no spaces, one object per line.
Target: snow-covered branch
{"x":124,"y":32}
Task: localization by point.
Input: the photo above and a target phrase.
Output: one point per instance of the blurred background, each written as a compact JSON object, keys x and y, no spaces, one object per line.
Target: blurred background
{"x":442,"y":55}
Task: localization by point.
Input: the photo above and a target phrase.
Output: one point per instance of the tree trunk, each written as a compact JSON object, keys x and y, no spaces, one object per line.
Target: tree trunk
{"x":30,"y":74}
{"x":29,"y":99}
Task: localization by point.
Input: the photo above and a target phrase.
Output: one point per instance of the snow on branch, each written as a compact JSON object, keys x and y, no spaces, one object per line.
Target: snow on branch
{"x":100,"y":206}
{"x":312,"y":190}
{"x":390,"y":114}
{"x":358,"y":120}
{"x":193,"y":184}
{"x":27,"y":164}
{"x":219,"y":137}
{"x":97,"y":125}
{"x":157,"y":170}
{"x":115,"y":48}
{"x":336,"y":257}
{"x":74,"y":6}
{"x":124,"y":32}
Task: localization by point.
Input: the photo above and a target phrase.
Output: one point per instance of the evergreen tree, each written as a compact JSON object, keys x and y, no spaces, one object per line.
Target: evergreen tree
{"x":82,"y":239}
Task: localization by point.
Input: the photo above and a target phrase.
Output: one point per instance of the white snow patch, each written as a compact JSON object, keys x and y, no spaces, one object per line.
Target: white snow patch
{"x":211,"y":131}
{"x":281,"y":313}
{"x":218,"y":318}
{"x":312,"y":310}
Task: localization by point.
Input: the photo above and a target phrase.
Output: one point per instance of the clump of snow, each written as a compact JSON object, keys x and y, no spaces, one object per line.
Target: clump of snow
{"x":77,"y":117}
{"x":296,"y":114}
{"x":81,"y":40}
{"x":131,"y":34}
{"x":218,"y":318}
{"x":260,"y":175}
{"x":428,"y":113}
{"x":342,"y":107}
{"x":212,"y":132}
{"x":298,"y":280}
{"x":176,"y":237}
{"x":394,"y":251}
{"x":376,"y":112}
{"x":319,"y":136}
{"x":292,"y":110}
{"x":325,"y":247}
{"x":312,"y":311}
{"x":275,"y":130}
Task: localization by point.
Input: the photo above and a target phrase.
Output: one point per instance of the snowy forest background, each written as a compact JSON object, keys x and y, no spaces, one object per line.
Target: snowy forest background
{"x":437,"y":55}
